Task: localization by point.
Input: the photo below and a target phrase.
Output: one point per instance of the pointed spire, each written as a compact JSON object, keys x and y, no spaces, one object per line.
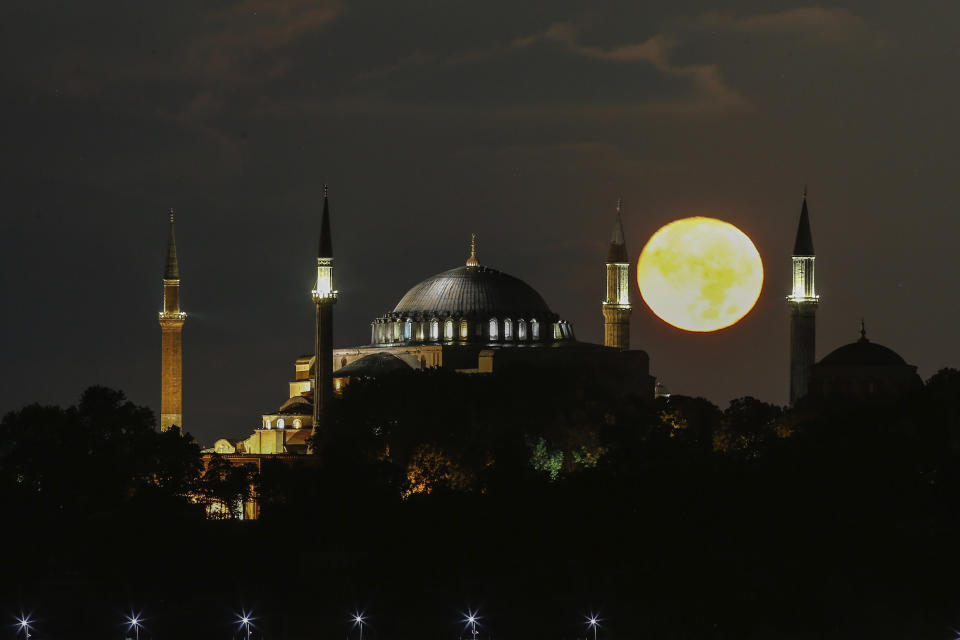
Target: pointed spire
{"x":472,"y":261}
{"x":173,"y":267}
{"x":863,"y":331}
{"x":326,"y":239}
{"x":618,"y":246}
{"x":803,"y":246}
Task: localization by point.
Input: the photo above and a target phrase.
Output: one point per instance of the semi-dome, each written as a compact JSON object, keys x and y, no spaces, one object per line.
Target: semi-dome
{"x":472,"y":290}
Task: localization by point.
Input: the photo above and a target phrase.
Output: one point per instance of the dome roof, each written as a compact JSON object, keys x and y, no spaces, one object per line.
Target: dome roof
{"x":372,"y":366}
{"x":863,"y":353}
{"x":472,"y":290}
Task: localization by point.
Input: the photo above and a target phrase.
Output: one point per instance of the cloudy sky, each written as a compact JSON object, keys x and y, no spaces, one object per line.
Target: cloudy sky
{"x":522,"y":122}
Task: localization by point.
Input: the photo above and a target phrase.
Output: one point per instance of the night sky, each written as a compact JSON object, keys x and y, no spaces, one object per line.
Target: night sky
{"x":522,"y":122}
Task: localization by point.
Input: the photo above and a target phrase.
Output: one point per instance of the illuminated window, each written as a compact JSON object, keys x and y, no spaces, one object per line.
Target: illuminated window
{"x":464,"y":329}
{"x":434,"y":329}
{"x":266,"y":423}
{"x":494,"y":329}
{"x":407,"y":330}
{"x":535,"y":329}
{"x":280,"y":423}
{"x":296,"y":423}
{"x":396,"y":330}
{"x":508,"y":329}
{"x":521,"y":329}
{"x":556,"y":331}
{"x":448,"y":329}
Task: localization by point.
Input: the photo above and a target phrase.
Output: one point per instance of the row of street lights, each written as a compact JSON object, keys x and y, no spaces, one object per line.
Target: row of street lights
{"x":245,"y":619}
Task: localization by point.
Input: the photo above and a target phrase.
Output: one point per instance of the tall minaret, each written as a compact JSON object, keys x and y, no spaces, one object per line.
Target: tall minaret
{"x":616,"y":306}
{"x":171,"y":351}
{"x":324,"y":297}
{"x":803,"y":301}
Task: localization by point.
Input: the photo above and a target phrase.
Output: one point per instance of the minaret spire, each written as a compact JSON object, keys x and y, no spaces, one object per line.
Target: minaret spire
{"x":173,"y":267}
{"x":324,"y":297}
{"x":171,"y":349}
{"x":803,"y":301}
{"x":616,"y":306}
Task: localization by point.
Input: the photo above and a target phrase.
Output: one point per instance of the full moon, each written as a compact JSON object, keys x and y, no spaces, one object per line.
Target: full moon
{"x":700,"y":274}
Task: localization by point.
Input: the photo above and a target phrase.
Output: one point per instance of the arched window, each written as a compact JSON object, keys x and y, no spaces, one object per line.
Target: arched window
{"x":521,"y":329}
{"x":396,"y":330}
{"x":464,"y":329}
{"x":279,"y":423}
{"x":434,"y":329}
{"x":494,"y":329}
{"x":535,"y":329}
{"x":343,"y":362}
{"x":297,"y":423}
{"x":266,"y":423}
{"x":556,"y":331}
{"x":407,"y":330}
{"x":508,"y":329}
{"x":448,"y":330}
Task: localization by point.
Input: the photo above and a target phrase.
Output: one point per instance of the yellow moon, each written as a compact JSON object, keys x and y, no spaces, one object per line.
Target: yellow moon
{"x":700,"y":274}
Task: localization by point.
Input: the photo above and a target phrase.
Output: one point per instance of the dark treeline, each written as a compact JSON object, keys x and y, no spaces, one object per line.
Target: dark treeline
{"x":532,"y":498}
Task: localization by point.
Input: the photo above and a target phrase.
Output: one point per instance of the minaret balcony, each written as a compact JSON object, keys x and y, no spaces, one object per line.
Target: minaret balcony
{"x":172,"y":316}
{"x":324,"y":295}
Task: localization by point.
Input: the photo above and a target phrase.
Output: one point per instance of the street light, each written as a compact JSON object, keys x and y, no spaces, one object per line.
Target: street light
{"x":593,"y":621}
{"x":24,"y":624}
{"x":134,"y":621}
{"x":245,"y":619}
{"x":358,"y":620}
{"x":471,"y":619}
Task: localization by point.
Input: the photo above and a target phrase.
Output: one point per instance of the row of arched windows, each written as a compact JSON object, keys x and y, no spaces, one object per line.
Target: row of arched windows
{"x":494,"y":330}
{"x":281,"y":423}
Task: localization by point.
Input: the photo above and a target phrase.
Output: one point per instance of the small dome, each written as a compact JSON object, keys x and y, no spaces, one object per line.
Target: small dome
{"x":862,"y":353}
{"x":473,"y":290}
{"x":372,"y":366}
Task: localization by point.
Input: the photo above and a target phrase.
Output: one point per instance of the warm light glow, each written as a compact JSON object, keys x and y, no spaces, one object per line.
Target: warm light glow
{"x":700,"y":274}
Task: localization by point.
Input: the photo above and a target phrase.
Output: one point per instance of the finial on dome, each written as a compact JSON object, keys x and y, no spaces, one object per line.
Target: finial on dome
{"x":171,"y":214}
{"x":325,"y":191}
{"x":804,"y":191}
{"x":472,"y":260}
{"x":863,"y":331}
{"x":619,"y":203}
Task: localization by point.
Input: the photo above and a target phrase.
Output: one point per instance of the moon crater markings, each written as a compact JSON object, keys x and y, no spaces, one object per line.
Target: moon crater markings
{"x":700,"y":274}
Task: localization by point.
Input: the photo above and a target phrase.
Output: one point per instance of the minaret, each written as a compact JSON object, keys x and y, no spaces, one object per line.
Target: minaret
{"x":616,"y":306}
{"x":171,"y":351}
{"x":324,"y":297}
{"x":803,"y":301}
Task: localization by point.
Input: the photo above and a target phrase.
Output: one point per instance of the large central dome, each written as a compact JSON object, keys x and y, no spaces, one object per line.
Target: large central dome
{"x":470,"y":305}
{"x":472,"y":291}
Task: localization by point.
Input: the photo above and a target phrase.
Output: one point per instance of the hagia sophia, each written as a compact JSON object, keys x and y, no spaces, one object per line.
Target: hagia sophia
{"x":473,"y":319}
